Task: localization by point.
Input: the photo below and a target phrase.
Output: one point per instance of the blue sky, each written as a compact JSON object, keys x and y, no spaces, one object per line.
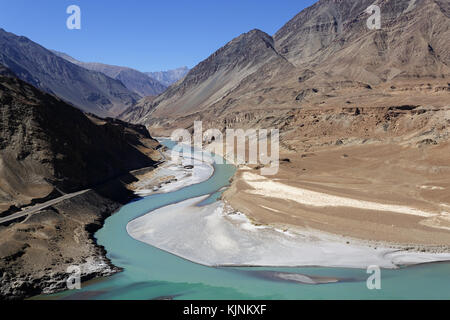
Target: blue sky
{"x":147,"y":35}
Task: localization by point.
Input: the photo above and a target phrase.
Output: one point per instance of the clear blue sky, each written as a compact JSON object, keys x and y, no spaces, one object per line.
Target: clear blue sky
{"x":148,"y":35}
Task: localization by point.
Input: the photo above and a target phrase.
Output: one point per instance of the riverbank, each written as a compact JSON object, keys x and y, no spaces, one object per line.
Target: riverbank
{"x":83,"y":216}
{"x":216,"y":235}
{"x":150,"y":273}
{"x":219,"y":235}
{"x":352,"y":193}
{"x":37,"y":252}
{"x":173,"y":174}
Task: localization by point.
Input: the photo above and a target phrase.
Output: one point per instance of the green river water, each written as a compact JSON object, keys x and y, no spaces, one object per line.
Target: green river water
{"x":150,"y":273}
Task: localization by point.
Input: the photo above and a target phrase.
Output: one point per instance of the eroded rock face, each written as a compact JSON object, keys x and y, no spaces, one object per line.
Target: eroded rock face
{"x":46,"y":143}
{"x":35,"y":254}
{"x":18,"y":283}
{"x":49,"y":148}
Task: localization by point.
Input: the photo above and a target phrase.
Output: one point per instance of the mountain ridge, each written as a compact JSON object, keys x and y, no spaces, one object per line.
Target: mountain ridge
{"x":134,"y":80}
{"x":91,"y":91}
{"x":169,"y":77}
{"x":213,"y":77}
{"x":324,"y":57}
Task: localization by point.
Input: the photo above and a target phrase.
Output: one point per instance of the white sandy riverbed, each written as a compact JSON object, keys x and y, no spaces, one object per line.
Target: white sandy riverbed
{"x":215,"y":235}
{"x":209,"y":236}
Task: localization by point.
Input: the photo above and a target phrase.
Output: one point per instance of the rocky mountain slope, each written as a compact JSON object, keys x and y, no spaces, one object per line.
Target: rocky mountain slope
{"x":136,"y":81}
{"x":48,"y":149}
{"x":91,"y":91}
{"x":325,"y":57}
{"x":212,"y":79}
{"x":169,"y":77}
{"x":46,"y":144}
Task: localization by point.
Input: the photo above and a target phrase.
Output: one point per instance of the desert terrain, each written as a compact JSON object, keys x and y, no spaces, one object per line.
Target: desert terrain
{"x":379,"y":174}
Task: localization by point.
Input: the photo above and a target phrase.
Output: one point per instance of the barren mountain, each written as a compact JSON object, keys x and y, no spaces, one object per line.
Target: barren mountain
{"x":91,"y":91}
{"x":325,"y":57}
{"x":331,"y":39}
{"x":169,"y":77}
{"x":136,"y":81}
{"x":48,"y":150}
{"x":212,"y":80}
{"x":47,"y":145}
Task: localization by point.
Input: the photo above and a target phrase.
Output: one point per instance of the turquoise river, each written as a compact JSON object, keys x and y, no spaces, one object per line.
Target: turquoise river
{"x":150,"y":273}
